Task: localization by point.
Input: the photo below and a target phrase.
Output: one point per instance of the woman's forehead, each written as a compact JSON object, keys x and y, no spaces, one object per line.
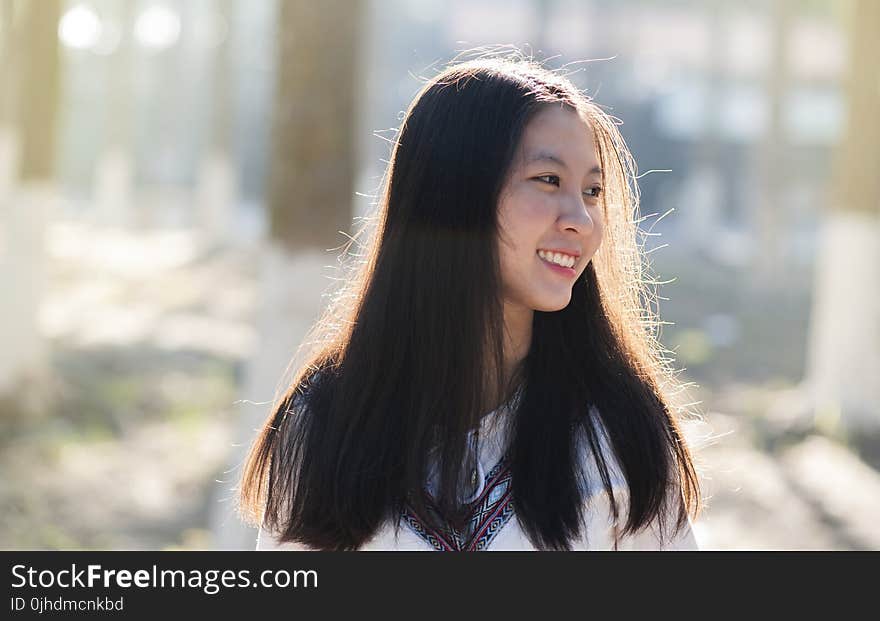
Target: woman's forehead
{"x":557,"y":135}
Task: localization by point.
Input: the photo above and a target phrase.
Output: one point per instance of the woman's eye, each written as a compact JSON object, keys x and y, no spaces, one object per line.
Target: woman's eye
{"x":551,"y":179}
{"x":593,"y":192}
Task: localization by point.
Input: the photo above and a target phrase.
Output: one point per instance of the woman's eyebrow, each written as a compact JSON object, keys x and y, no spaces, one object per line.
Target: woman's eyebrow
{"x":547,"y":156}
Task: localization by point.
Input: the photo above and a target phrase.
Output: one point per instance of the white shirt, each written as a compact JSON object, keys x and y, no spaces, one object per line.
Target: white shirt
{"x":499,"y":527}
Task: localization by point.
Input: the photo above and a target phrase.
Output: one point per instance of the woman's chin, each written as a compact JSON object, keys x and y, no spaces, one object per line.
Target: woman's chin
{"x":551,"y":306}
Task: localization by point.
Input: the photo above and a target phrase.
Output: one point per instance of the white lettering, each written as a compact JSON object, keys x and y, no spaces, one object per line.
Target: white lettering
{"x":76,"y":577}
{"x":94,"y":574}
{"x":123,"y":578}
{"x":142,"y":578}
{"x":19,"y":576}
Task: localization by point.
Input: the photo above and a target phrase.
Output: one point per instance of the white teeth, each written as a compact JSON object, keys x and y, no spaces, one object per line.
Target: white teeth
{"x":555,"y":257}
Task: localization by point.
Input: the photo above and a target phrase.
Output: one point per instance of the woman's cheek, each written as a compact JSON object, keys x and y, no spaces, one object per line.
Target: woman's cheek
{"x":600,"y":230}
{"x":540,"y":212}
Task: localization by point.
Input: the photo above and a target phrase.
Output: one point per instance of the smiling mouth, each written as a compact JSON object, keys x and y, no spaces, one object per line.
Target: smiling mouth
{"x":567,"y":272}
{"x":558,"y":258}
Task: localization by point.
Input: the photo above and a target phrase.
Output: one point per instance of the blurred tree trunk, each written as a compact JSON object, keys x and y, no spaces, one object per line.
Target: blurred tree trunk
{"x":771,"y":170}
{"x":114,"y":171}
{"x":312,"y":169}
{"x":843,"y":368}
{"x":310,"y":199}
{"x":700,"y":220}
{"x":39,"y":87}
{"x":544,"y":9}
{"x":28,"y":204}
{"x":218,"y":174}
{"x":9,"y":141}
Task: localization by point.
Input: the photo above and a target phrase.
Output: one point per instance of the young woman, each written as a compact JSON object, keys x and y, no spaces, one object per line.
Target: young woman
{"x":489,"y":378}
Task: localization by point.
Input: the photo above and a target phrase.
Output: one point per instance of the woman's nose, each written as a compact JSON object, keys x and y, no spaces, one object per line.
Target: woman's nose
{"x":576,"y":217}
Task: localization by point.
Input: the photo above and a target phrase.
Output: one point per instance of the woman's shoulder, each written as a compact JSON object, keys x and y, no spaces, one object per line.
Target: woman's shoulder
{"x":267,"y":540}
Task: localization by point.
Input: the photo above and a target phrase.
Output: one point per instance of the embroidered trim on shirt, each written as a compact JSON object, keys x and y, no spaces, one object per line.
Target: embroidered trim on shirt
{"x":490,"y":512}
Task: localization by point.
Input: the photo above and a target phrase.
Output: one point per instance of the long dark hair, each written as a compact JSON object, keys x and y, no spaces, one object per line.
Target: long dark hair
{"x":406,"y":355}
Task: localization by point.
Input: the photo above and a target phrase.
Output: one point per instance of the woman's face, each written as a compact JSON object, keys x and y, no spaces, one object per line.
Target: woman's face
{"x":550,"y":204}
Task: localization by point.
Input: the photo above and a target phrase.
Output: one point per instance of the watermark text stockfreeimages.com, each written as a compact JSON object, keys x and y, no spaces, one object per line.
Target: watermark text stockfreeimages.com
{"x":210,"y":581}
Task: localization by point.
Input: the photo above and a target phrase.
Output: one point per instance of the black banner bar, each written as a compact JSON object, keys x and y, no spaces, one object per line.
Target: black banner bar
{"x":136,"y":584}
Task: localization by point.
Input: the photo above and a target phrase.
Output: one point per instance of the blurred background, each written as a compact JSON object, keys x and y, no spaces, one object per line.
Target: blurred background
{"x":177,"y":179}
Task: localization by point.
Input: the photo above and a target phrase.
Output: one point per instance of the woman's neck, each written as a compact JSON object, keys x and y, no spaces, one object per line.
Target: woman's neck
{"x":517,"y":336}
{"x":517,"y":342}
